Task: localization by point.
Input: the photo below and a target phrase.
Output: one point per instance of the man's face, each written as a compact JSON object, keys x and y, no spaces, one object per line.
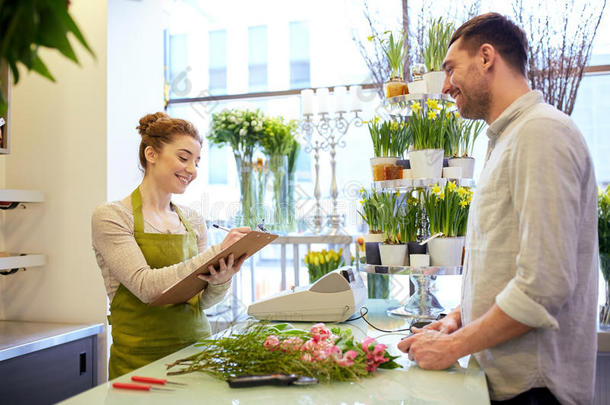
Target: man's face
{"x":465,"y":82}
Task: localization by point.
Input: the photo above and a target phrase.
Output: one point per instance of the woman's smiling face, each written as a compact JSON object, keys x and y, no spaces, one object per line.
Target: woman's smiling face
{"x":175,"y":166}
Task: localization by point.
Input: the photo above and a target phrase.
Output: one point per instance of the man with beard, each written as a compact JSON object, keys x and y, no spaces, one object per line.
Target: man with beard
{"x":529,"y":293}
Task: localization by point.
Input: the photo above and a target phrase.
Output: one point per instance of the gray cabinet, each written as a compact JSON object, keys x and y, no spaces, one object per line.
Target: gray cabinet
{"x":49,"y":375}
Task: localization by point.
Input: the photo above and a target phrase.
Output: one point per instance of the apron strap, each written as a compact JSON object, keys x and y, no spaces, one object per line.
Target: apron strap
{"x":138,"y":218}
{"x":136,"y":205}
{"x":186,"y":223}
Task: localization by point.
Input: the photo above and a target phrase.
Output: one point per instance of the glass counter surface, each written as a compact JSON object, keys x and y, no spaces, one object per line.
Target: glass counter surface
{"x":463,"y":383}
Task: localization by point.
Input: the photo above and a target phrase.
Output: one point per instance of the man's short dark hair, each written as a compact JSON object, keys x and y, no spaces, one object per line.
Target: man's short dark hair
{"x":505,"y":36}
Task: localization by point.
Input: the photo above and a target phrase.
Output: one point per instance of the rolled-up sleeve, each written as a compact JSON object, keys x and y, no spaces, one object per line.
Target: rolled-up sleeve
{"x":545,"y":185}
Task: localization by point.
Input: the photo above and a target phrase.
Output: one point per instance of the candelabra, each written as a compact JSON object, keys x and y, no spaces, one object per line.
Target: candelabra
{"x":326,"y":135}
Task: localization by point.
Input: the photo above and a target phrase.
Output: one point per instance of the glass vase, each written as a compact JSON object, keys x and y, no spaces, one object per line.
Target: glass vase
{"x":278,"y":169}
{"x":247,"y":213}
{"x":604,"y":313}
{"x":261,"y":177}
{"x":378,"y":286}
{"x":291,"y":208}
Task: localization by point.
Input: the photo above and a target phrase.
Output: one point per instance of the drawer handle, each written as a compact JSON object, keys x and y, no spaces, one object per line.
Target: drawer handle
{"x":83,"y":362}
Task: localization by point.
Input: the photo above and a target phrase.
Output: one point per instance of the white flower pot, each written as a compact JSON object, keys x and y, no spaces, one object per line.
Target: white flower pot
{"x":426,"y":163}
{"x":466,"y":163}
{"x":407,"y":174}
{"x":446,"y":252}
{"x":393,"y":255}
{"x":419,"y":260}
{"x":434,"y":82}
{"x":373,"y":237}
{"x":417,"y":87}
{"x":453,"y":172}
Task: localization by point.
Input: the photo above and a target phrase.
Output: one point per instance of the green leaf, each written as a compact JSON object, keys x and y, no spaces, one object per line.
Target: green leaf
{"x":64,"y":16}
{"x":39,"y":67}
{"x":52,"y":34}
{"x":3,"y":104}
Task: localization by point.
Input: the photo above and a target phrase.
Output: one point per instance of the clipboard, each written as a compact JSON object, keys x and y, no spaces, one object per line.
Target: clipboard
{"x":191,"y":285}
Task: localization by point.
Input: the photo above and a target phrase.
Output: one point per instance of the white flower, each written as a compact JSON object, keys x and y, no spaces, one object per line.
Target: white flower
{"x":243,"y":132}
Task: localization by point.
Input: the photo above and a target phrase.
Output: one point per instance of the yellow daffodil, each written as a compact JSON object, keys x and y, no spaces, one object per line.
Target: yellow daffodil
{"x":464,"y":203}
{"x":394,"y":126}
{"x":448,"y":114}
{"x":451,"y":186}
{"x":441,"y":196}
{"x":371,"y":38}
{"x":433,"y":104}
{"x":316,"y":261}
{"x":416,"y":107}
{"x":462,"y":191}
{"x":431,"y":115}
{"x":456,"y":114}
{"x":436,"y":189}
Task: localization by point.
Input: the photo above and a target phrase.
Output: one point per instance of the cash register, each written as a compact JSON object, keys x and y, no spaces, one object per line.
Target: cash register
{"x":334,"y":297}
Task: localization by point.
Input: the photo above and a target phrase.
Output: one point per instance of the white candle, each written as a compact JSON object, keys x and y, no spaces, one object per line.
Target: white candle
{"x":307,"y":101}
{"x":340,"y":95}
{"x":322,"y":98}
{"x":355,"y":92}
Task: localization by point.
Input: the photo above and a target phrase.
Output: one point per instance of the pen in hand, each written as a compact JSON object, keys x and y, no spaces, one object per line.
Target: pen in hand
{"x":222,"y":228}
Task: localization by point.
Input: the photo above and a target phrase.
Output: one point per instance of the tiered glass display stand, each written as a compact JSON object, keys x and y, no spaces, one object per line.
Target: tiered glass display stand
{"x":422,"y":304}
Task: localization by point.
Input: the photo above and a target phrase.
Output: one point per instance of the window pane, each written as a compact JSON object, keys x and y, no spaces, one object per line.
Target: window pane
{"x":591,"y":115}
{"x":178,"y":61}
{"x":218,"y":62}
{"x":257,"y":58}
{"x":217,"y":165}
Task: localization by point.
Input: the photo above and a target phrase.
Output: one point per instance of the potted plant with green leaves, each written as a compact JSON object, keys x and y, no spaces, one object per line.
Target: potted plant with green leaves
{"x":447,"y":212}
{"x":435,"y":47}
{"x":25,"y":28}
{"x":462,"y":144}
{"x":603,"y":229}
{"x":393,"y":251}
{"x":395,"y":52}
{"x":242,"y":130}
{"x":390,"y":141}
{"x":277,"y":143}
{"x":427,"y":127}
{"x":409,"y":223}
{"x":370,"y":215}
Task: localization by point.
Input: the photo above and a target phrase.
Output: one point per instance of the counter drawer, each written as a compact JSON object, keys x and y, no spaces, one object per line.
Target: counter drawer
{"x":49,"y":375}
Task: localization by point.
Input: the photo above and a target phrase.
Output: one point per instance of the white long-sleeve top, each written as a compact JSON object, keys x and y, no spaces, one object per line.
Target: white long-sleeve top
{"x":122,"y":262}
{"x":532,"y":249}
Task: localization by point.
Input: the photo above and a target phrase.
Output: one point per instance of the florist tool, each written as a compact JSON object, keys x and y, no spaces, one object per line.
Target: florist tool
{"x":138,"y":387}
{"x":245,"y":381}
{"x":436,"y":235}
{"x":152,"y":380}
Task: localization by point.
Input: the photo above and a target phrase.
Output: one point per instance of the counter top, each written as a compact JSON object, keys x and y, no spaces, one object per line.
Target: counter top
{"x":19,"y":337}
{"x":464,"y":383}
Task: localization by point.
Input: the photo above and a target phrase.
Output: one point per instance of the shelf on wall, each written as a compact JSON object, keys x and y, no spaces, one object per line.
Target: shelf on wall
{"x":18,"y":262}
{"x":406,"y":184}
{"x":408,"y":270}
{"x":21,"y":196}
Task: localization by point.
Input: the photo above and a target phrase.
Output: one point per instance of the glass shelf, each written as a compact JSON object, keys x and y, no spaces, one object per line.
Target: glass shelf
{"x":407,"y":184}
{"x":399,"y":105}
{"x":409,"y":270}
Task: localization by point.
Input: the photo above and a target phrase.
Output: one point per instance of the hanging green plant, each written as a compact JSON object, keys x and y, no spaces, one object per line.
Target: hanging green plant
{"x":25,"y":26}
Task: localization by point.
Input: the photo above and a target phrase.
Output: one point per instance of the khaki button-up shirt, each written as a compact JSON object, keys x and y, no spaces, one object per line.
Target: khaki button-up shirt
{"x":531,"y":248}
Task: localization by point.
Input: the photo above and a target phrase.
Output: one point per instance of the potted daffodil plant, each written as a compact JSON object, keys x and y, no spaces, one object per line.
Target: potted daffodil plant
{"x":447,"y":209}
{"x":427,"y":127}
{"x":390,"y":141}
{"x":435,"y":47}
{"x":459,"y":142}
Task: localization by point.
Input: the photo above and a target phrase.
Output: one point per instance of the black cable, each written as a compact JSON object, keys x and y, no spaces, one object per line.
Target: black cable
{"x":364,"y":310}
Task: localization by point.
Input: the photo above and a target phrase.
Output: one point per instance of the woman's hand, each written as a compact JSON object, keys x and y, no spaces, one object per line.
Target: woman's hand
{"x":225,"y":271}
{"x":233,"y":236}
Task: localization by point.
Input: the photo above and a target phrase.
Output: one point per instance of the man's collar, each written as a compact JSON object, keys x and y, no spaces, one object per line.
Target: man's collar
{"x":521,"y":104}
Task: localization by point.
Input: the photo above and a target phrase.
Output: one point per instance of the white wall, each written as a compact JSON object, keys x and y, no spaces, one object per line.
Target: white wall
{"x":135,"y":84}
{"x":58,"y":146}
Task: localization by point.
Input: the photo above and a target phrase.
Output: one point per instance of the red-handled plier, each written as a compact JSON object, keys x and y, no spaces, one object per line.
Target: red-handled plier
{"x":151,"y":380}
{"x":139,"y":387}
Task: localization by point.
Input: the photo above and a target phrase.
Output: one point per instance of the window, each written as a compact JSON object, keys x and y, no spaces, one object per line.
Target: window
{"x":300,"y":75}
{"x":218,"y":62}
{"x":218,"y":158}
{"x":178,"y":64}
{"x":257,"y":58}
